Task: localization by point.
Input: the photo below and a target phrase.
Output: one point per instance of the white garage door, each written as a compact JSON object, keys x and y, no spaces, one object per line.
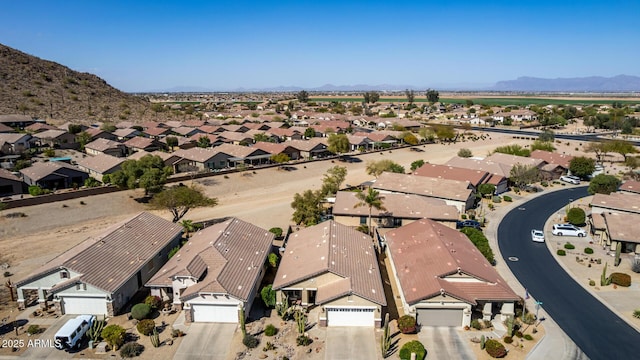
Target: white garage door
{"x":439,"y":317}
{"x":350,"y":316}
{"x":84,"y":305}
{"x":215,"y":313}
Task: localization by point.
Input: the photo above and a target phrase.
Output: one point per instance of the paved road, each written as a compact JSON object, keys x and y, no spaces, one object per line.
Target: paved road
{"x":581,"y":137}
{"x":595,"y":329}
{"x":351,"y":343}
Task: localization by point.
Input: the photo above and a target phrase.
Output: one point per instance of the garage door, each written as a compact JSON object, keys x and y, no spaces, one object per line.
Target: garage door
{"x":350,"y":316}
{"x":215,"y":313}
{"x":84,"y":305}
{"x":439,"y":317}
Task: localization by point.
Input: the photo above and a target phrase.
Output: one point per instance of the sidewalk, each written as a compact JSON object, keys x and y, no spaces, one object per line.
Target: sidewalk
{"x":555,"y":344}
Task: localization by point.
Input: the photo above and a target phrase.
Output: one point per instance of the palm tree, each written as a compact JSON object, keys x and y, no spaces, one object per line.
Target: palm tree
{"x":372,"y":199}
{"x":188,"y":227}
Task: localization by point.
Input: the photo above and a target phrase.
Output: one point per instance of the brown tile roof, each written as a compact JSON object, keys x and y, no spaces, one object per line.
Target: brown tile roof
{"x":236,"y":136}
{"x":127,"y":132}
{"x":39,"y":127}
{"x":50,"y":134}
{"x":232,"y":253}
{"x":552,"y":158}
{"x":598,"y":221}
{"x":239,"y":151}
{"x":333,"y":290}
{"x":631,"y":186}
{"x":40,"y":170}
{"x":475,"y":177}
{"x":94,"y":131}
{"x":619,"y":229}
{"x":110,"y":260}
{"x":5,"y":128}
{"x":7,"y":175}
{"x":307,"y":145}
{"x":425,"y":253}
{"x":406,"y":206}
{"x":271,"y":148}
{"x":156,"y":131}
{"x":196,"y":154}
{"x":330,"y":247}
{"x":209,"y":129}
{"x":101,"y":163}
{"x":101,"y":144}
{"x":625,"y":202}
{"x":492,"y":167}
{"x":425,"y":186}
{"x":185,"y":130}
{"x":139,"y":142}
{"x":512,"y":160}
{"x":9,"y":118}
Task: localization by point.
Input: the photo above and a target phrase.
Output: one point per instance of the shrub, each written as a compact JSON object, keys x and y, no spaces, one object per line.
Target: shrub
{"x":636,"y":313}
{"x":33,"y":329}
{"x":495,"y":349}
{"x":177,"y":333}
{"x":276,"y":231}
{"x":407,"y":324}
{"x":113,"y":335}
{"x":592,"y":282}
{"x":561,"y":252}
{"x":576,"y":216}
{"x":528,"y":337}
{"x":414,"y":346}
{"x":508,"y":339}
{"x":131,"y":349}
{"x":621,"y":279}
{"x":529,"y":318}
{"x":35,"y":190}
{"x":507,"y":198}
{"x":146,"y":326}
{"x":140,"y":311}
{"x":303,"y":340}
{"x":154,"y":301}
{"x":270,"y":330}
{"x":463,"y":216}
{"x":519,"y":334}
{"x":250,"y":341}
{"x":475,"y":323}
{"x":544,"y":183}
{"x":569,"y":246}
{"x":588,"y":250}
{"x":496,"y":199}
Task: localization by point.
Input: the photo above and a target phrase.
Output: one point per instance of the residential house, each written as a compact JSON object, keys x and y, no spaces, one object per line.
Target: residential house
{"x":499,"y":170}
{"x":54,"y":175}
{"x":15,"y":143}
{"x":186,"y":131}
{"x":359,"y":142}
{"x":630,"y":187}
{"x":618,"y":231}
{"x":56,"y":139}
{"x":16,"y":121}
{"x":236,"y":138}
{"x":126,"y":134}
{"x":217,"y":273}
{"x":457,"y":193}
{"x":618,"y":202}
{"x":475,"y":177}
{"x":105,"y":146}
{"x":102,"y":274}
{"x":400,"y":209}
{"x":243,"y":154}
{"x":278,"y":148}
{"x":332,"y":270}
{"x":39,"y":127}
{"x":10,"y":184}
{"x":99,"y":165}
{"x":139,"y":143}
{"x":199,"y":159}
{"x":443,"y":279}
{"x":6,"y":129}
{"x":285,"y":134}
{"x":169,"y":159}
{"x":556,"y":164}
{"x":310,"y":149}
{"x":379,"y":138}
{"x":97,"y":133}
{"x":156,"y":133}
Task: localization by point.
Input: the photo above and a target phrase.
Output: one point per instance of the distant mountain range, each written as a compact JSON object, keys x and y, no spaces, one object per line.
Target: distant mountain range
{"x":597,"y":84}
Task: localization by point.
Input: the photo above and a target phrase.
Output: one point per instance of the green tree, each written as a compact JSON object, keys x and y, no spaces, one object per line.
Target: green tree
{"x":410,"y":139}
{"x":480,"y":241}
{"x":514,"y":149}
{"x":603,"y":184}
{"x":599,"y":148}
{"x":522,"y":175}
{"x":622,"y":147}
{"x":83,"y":138}
{"x":542,"y":145}
{"x":433,"y":96}
{"x":576,"y":216}
{"x":268,"y":296}
{"x":152,"y":180}
{"x":204,"y":142}
{"x":333,"y":179}
{"x":582,"y":166}
{"x":180,"y":199}
{"x":547,"y":136}
{"x":303,"y":96}
{"x":371,"y":97}
{"x":262,"y":137}
{"x":108,"y":127}
{"x":465,"y":153}
{"x":309,"y":133}
{"x":306,"y":207}
{"x":371,"y":199}
{"x":91,"y":182}
{"x":114,"y":335}
{"x":74,"y":128}
{"x":469,"y":103}
{"x":338,"y":143}
{"x":376,"y":168}
{"x":410,"y":96}
{"x":485,"y":190}
{"x":445,"y":133}
{"x":188,"y":226}
{"x":172,"y":141}
{"x":280,"y":158}
{"x":417,"y":164}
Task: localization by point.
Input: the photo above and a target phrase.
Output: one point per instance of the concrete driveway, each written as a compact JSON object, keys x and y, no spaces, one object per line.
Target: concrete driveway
{"x":351,"y":343}
{"x":206,"y":341}
{"x":45,"y":349}
{"x":444,"y":342}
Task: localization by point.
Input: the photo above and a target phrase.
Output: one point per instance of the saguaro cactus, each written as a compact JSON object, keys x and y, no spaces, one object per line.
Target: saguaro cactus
{"x":386,"y":337}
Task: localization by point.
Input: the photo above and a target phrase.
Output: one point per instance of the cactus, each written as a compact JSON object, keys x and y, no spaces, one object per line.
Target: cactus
{"x":386,"y":337}
{"x":242,"y":319}
{"x":510,"y":322}
{"x":604,"y":280}
{"x":618,"y":251}
{"x":301,"y":321}
{"x":155,"y":338}
{"x":482,"y":342}
{"x":95,"y":330}
{"x":283,"y":307}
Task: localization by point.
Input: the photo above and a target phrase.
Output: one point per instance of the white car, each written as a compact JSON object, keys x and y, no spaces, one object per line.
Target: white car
{"x":567,"y":230}
{"x":537,"y":235}
{"x":570,"y":179}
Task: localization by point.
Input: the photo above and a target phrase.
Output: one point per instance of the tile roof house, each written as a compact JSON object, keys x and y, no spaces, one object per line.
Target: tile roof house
{"x":56,"y":139}
{"x":53,"y":175}
{"x":333,"y":269}
{"x":218,"y":271}
{"x":617,"y":230}
{"x":100,"y":165}
{"x":457,"y":193}
{"x":200,"y":159}
{"x":126,"y":133}
{"x":10,"y":184}
{"x":443,"y":279}
{"x":97,"y":133}
{"x":100,"y":275}
{"x":186,"y":131}
{"x":106,"y":146}
{"x":310,"y":149}
{"x":278,"y":148}
{"x":157,"y":132}
{"x":16,"y":120}
{"x":401,"y":209}
{"x":630,"y":186}
{"x":615,"y":202}
{"x":562,"y":160}
{"x":139,"y":143}
{"x":15,"y":143}
{"x":475,"y":177}
{"x":243,"y":154}
{"x":38,"y":127}
{"x":6,"y":129}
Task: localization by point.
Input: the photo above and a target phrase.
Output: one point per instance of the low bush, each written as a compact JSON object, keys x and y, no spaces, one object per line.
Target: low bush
{"x":561,"y":252}
{"x":636,"y":313}
{"x":592,"y":282}
{"x":518,"y":334}
{"x":475,"y":323}
{"x":569,"y":246}
{"x":270,"y":330}
{"x":576,"y":216}
{"x":250,"y":341}
{"x":508,"y":339}
{"x":407,"y":324}
{"x":140,"y":311}
{"x":414,"y":346}
{"x":495,"y":349}
{"x":131,"y":349}
{"x":507,"y":198}
{"x":528,"y":337}
{"x":33,"y":329}
{"x":544,"y":183}
{"x":621,"y":279}
{"x":303,"y":340}
{"x":177,"y":333}
{"x":146,"y":326}
{"x":154,"y":301}
{"x":496,"y":199}
{"x":529,"y":318}
{"x":113,"y":335}
{"x":276,"y":231}
{"x":588,"y":250}
{"x":463,"y":216}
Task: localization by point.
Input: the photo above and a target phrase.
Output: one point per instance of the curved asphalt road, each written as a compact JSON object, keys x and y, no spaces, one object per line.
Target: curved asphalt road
{"x":595,"y":329}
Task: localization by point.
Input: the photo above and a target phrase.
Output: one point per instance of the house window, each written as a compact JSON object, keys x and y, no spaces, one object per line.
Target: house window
{"x":64,"y":275}
{"x":363,"y":220}
{"x":150,"y":265}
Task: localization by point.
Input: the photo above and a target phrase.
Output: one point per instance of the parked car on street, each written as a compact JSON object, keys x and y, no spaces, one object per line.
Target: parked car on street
{"x":568,"y":230}
{"x":467,"y":223}
{"x":570,"y":179}
{"x":537,"y":235}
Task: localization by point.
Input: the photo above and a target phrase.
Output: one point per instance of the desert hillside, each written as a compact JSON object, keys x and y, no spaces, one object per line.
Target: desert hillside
{"x":47,"y":90}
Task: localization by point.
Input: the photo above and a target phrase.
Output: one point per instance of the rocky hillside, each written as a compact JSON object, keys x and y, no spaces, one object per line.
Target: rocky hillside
{"x":48,"y":90}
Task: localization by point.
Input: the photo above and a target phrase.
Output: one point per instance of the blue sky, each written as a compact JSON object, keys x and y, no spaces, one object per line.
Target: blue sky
{"x":225,"y":45}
